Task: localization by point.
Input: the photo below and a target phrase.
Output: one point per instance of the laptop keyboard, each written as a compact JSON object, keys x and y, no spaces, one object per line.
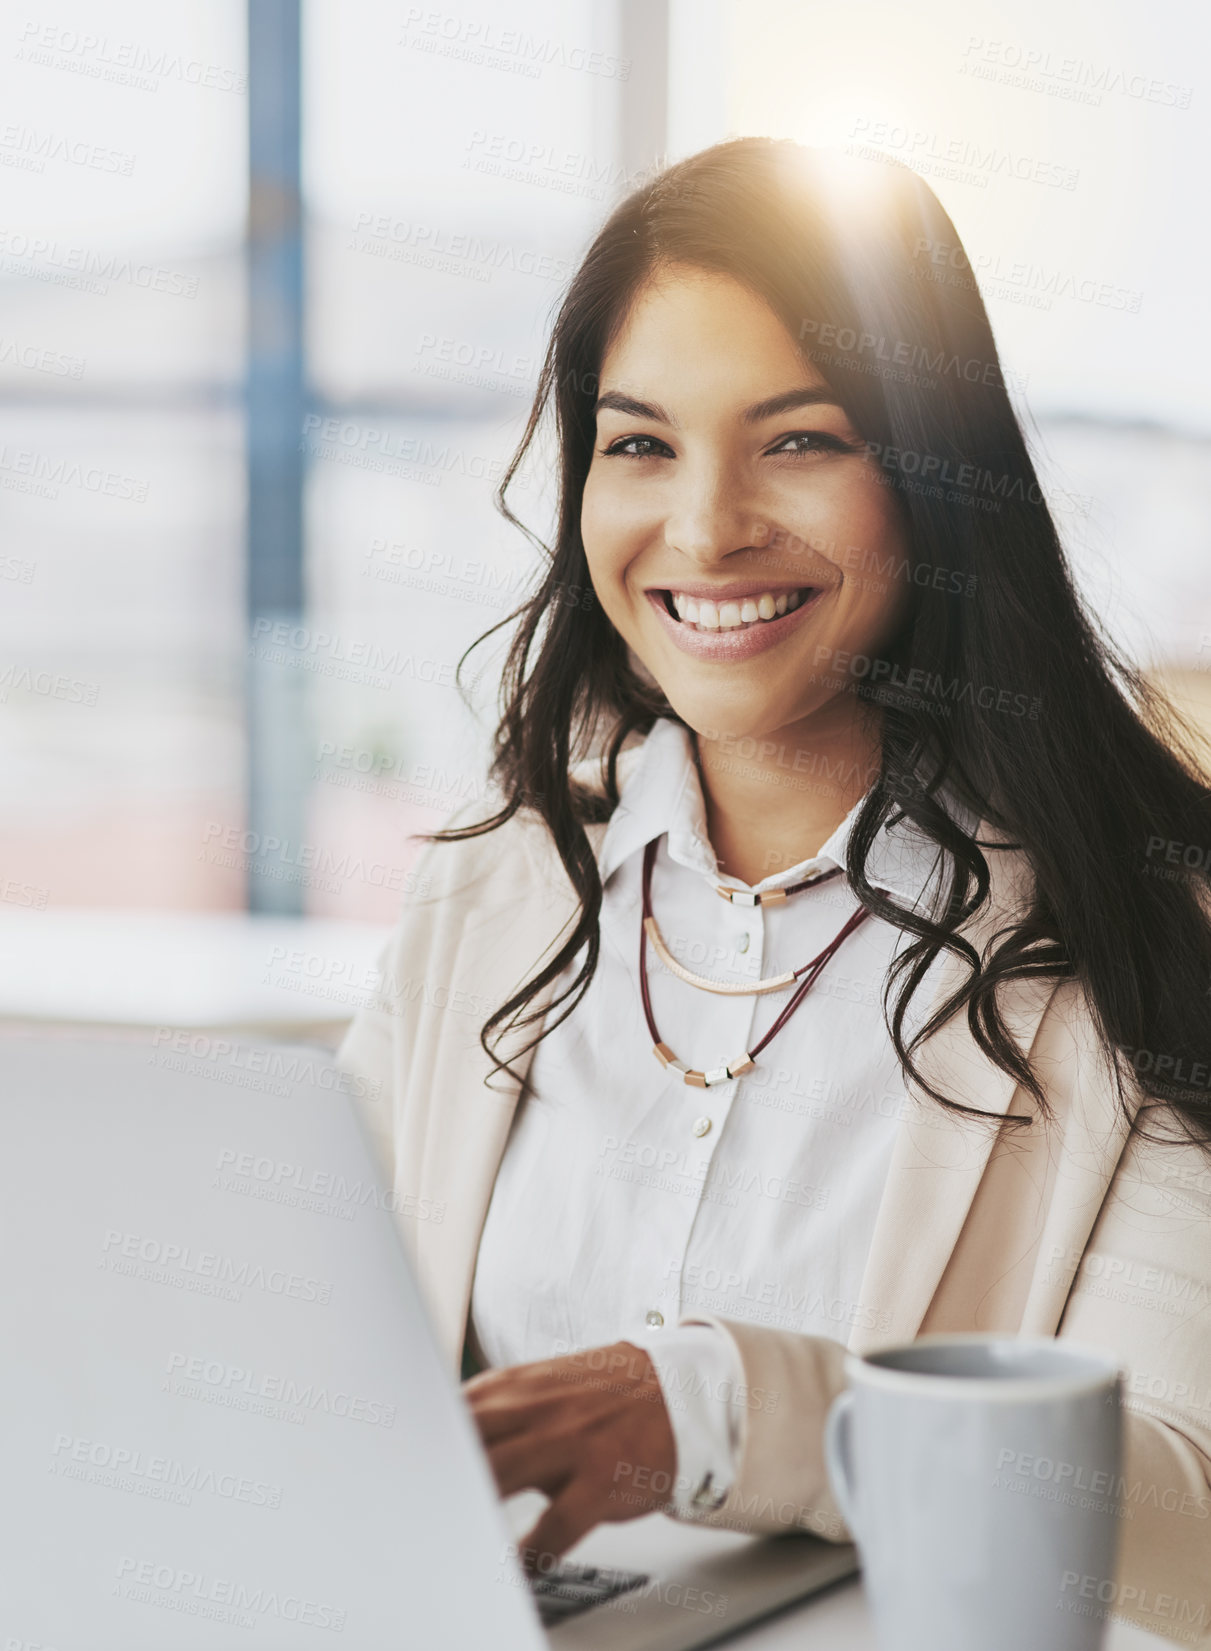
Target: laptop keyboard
{"x":570,"y":1589}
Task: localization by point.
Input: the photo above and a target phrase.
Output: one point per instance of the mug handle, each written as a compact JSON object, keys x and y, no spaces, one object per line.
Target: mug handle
{"x":837,"y":1455}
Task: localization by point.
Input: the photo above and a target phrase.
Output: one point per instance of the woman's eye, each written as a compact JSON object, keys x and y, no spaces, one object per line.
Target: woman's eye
{"x":634,"y":447}
{"x":811,"y":441}
{"x":799,"y":442}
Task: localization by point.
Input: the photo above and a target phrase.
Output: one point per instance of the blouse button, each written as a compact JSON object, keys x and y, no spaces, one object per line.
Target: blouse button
{"x":742,"y":943}
{"x":653,"y":1319}
{"x":701,"y":1126}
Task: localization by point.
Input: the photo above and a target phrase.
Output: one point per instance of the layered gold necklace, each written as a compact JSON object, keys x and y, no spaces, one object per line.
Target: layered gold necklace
{"x":805,"y":975}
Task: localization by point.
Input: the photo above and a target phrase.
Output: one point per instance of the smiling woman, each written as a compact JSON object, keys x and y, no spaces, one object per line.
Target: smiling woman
{"x":708,"y":500}
{"x":836,"y":673}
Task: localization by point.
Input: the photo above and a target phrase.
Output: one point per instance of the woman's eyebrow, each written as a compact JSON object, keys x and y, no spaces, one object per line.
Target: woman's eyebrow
{"x":807,"y":395}
{"x":615,"y":401}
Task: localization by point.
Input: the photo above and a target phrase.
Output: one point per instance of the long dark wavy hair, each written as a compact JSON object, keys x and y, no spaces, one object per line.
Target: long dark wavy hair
{"x":1021,"y":706}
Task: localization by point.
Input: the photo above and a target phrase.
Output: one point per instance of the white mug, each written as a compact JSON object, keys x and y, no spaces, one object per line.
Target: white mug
{"x":979,"y":1475}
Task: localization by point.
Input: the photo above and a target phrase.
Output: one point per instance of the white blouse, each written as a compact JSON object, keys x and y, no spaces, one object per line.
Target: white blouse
{"x":627,"y":1202}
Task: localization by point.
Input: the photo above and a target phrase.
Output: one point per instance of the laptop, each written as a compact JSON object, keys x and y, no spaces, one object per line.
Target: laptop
{"x":225,"y":1420}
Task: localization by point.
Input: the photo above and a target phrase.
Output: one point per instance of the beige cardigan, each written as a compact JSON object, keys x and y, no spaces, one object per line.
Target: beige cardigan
{"x":1071,"y":1229}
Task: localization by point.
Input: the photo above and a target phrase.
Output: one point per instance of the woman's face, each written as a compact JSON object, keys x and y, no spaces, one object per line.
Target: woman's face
{"x":737,"y":534}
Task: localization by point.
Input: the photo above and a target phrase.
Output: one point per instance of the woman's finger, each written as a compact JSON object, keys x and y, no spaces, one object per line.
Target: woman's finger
{"x":507,"y":1414}
{"x":528,"y":1395}
{"x":569,"y":1516}
{"x":543,"y":1458}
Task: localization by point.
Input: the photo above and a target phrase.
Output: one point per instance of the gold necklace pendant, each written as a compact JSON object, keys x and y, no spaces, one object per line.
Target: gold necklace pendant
{"x":748,"y":897}
{"x":703,"y":1080}
{"x":776,"y":983}
{"x":772,"y":897}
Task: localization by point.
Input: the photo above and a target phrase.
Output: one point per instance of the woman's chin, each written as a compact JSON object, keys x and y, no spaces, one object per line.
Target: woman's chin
{"x":724,"y":720}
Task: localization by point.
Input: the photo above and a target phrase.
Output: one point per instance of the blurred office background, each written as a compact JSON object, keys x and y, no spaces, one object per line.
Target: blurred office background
{"x":218,"y":721}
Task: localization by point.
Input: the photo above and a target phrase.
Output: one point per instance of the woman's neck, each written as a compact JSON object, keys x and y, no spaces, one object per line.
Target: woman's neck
{"x":773,"y":802}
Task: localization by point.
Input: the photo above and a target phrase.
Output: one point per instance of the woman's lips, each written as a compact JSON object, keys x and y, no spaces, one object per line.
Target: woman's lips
{"x":741,"y":643}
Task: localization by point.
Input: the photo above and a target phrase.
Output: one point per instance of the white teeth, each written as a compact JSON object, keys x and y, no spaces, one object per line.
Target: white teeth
{"x":707,"y":615}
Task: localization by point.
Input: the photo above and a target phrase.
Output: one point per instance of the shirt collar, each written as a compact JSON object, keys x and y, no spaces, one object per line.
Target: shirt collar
{"x":662,"y":794}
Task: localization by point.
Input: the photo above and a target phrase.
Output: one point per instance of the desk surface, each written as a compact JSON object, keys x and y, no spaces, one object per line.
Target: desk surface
{"x":835,"y":1620}
{"x":838,"y":1621}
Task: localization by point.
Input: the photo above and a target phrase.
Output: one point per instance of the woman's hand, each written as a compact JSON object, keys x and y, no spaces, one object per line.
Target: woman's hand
{"x":577,"y":1428}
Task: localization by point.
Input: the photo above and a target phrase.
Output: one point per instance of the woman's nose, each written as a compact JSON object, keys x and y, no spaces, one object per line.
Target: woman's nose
{"x":710,"y":518}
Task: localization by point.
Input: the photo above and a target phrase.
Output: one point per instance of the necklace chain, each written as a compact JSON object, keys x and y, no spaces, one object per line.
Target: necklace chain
{"x":775,"y":983}
{"x":746,"y":1061}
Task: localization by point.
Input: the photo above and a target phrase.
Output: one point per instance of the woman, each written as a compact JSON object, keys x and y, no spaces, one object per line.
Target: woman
{"x":937,"y":1060}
